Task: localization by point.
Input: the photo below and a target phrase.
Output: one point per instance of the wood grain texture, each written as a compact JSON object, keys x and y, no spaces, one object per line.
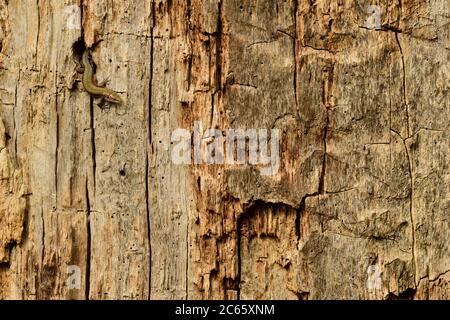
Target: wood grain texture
{"x":359,"y":208}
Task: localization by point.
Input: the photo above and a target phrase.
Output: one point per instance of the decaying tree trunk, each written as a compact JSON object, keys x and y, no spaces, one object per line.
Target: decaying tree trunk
{"x":359,"y":208}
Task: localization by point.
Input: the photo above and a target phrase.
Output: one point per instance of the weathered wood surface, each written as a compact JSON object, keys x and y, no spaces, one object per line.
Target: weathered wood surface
{"x":359,"y":208}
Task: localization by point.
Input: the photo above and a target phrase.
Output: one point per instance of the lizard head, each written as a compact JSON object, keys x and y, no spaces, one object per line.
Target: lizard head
{"x":114,"y":98}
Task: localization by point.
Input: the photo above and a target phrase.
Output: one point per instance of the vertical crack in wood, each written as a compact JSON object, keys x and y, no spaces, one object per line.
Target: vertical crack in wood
{"x":150,"y":87}
{"x":88,"y":200}
{"x":38,"y":30}
{"x":88,"y":244}
{"x":81,"y":22}
{"x":43,"y":234}
{"x":219,"y":48}
{"x":301,"y":207}
{"x":147,"y":207}
{"x":295,"y":54}
{"x":324,"y":160}
{"x":92,"y":129}
{"x":16,"y":160}
{"x":299,"y":212}
{"x":298,"y":218}
{"x":327,"y":83}
{"x":149,"y":130}
{"x":408,"y":130}
{"x":57,"y":140}
{"x":189,"y":59}
{"x":189,"y":79}
{"x":411,"y":212}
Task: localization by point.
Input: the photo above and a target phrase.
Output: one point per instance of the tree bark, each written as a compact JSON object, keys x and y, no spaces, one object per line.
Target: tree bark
{"x":359,"y":208}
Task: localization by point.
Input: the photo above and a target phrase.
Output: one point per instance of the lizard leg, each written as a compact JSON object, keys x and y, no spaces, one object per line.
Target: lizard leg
{"x":104,"y":82}
{"x":80,"y":67}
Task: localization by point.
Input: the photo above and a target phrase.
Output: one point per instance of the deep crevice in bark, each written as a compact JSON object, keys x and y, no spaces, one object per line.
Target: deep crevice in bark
{"x":219,"y":48}
{"x":408,"y":294}
{"x":147,"y":209}
{"x":411,"y":212}
{"x":150,"y":87}
{"x":15,"y":157}
{"x":92,"y":131}
{"x":38,"y":30}
{"x":295,"y":54}
{"x":88,"y":244}
{"x":42,"y":236}
{"x":147,"y":168}
{"x":327,"y":87}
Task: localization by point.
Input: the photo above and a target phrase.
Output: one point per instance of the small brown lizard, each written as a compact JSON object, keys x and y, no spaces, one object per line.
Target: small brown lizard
{"x":91,"y":87}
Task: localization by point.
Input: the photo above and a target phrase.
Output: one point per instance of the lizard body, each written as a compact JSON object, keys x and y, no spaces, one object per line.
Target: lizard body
{"x":91,"y":87}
